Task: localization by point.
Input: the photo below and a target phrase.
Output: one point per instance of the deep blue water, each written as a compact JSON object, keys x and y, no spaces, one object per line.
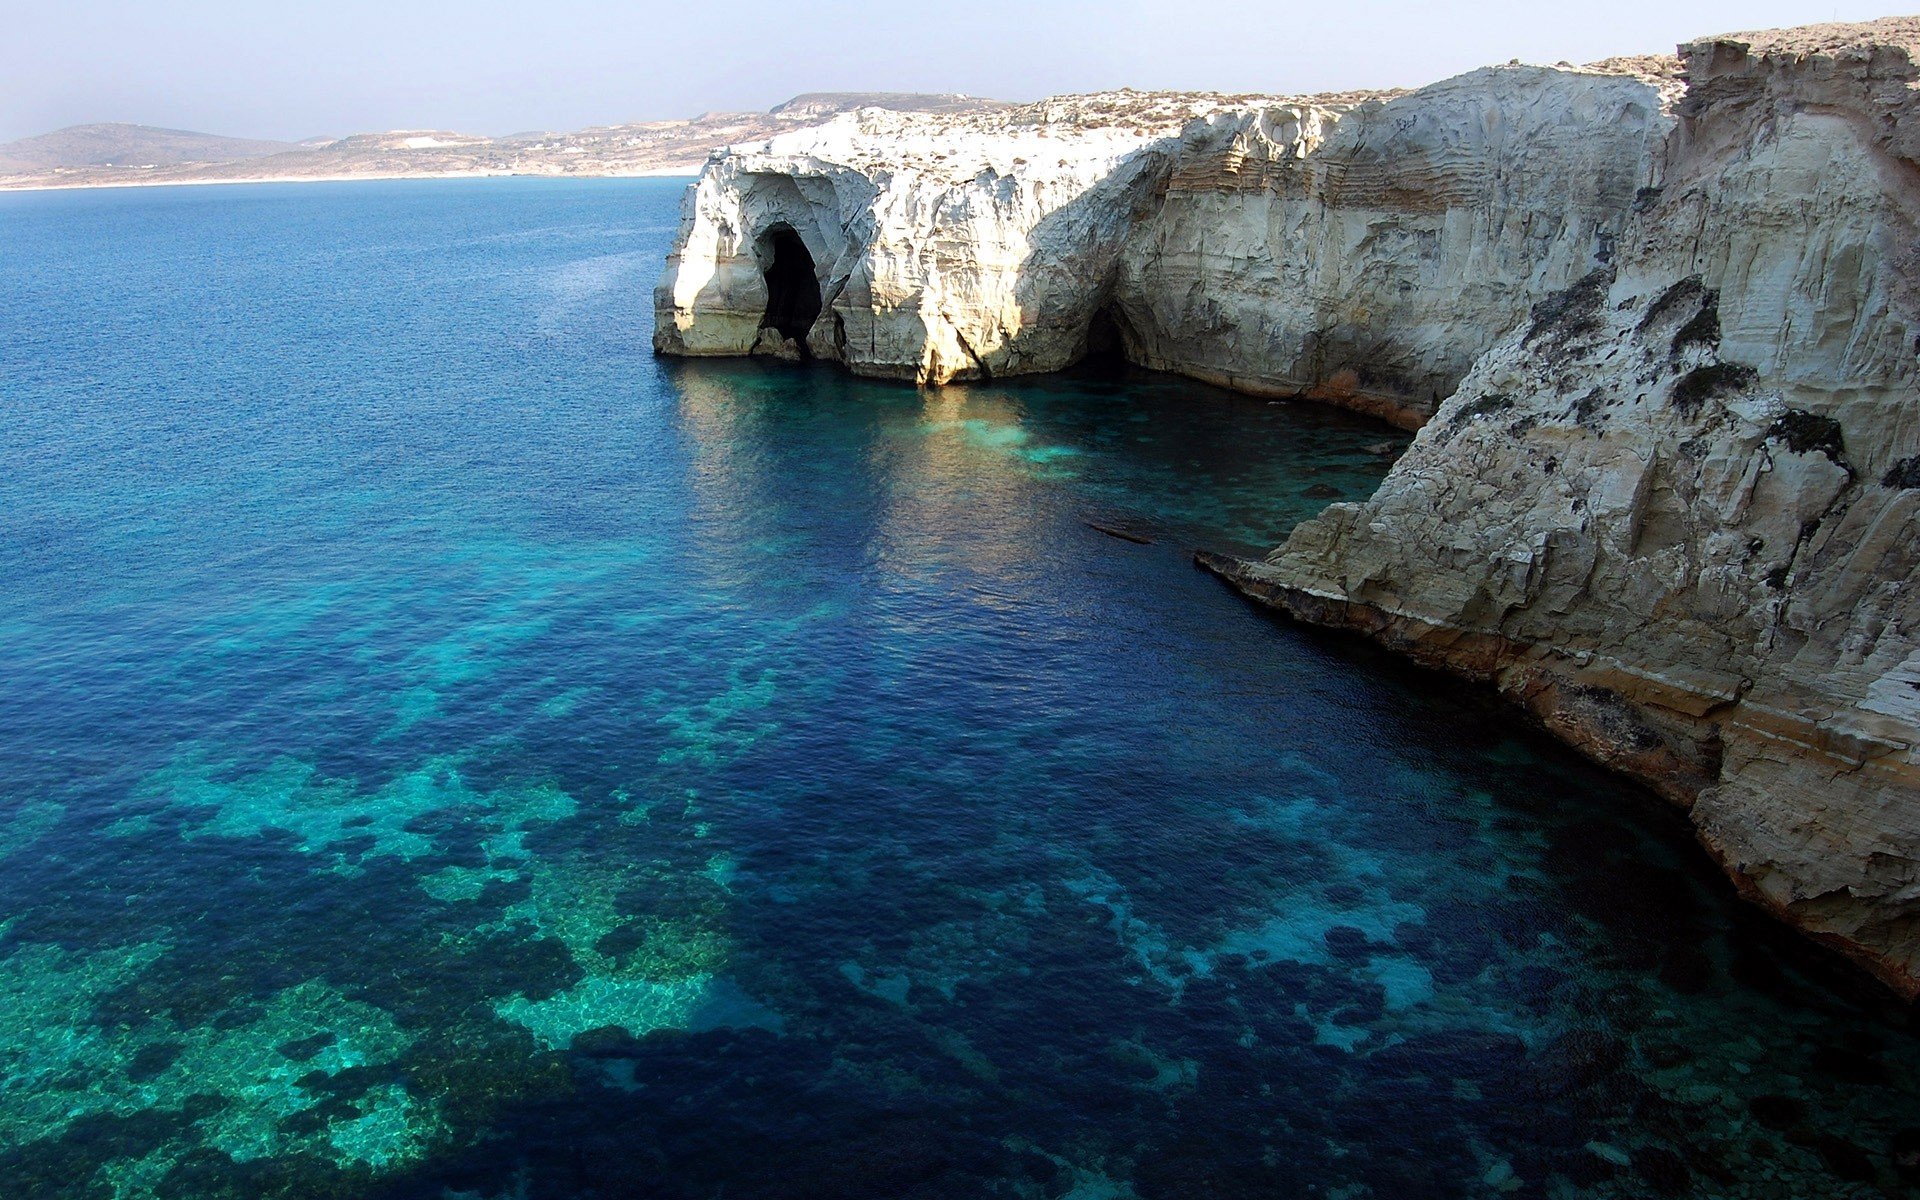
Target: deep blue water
{"x":448,"y":752}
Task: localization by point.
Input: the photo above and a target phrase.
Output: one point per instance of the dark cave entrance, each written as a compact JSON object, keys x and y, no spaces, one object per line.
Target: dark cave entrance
{"x":793,"y":291}
{"x":1108,"y":341}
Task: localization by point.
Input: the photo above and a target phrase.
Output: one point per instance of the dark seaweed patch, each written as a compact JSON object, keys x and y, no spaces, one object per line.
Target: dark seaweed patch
{"x":1808,"y":433}
{"x":153,"y":1058}
{"x":1708,"y":383}
{"x":1688,"y":291}
{"x":1572,"y":313}
{"x":1483,"y":406}
{"x":1703,"y":329}
{"x":1588,"y":406}
{"x":1615,"y":716}
{"x":1903,"y":474}
{"x":305,"y":1048}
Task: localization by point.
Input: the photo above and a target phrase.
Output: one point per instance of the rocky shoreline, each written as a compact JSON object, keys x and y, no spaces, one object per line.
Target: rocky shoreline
{"x":1656,"y":322}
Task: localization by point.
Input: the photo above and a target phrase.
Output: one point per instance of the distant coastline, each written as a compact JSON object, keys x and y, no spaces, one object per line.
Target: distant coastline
{"x":122,"y":155}
{"x":95,"y":185}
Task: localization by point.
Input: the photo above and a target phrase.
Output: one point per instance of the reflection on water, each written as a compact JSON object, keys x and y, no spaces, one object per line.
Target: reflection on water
{"x":452,"y":754}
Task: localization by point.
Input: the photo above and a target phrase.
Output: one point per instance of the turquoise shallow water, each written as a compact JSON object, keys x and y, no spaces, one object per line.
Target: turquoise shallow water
{"x":450,"y":753}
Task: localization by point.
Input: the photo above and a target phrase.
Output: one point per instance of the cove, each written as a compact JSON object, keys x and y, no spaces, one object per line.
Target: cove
{"x":450,"y":752}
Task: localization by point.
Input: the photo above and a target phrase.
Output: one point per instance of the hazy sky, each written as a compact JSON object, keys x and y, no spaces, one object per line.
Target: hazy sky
{"x":292,"y":69}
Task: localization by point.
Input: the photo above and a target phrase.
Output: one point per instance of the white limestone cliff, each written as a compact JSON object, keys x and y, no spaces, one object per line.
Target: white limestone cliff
{"x":1369,"y":260}
{"x":1279,"y":246}
{"x":945,"y":247}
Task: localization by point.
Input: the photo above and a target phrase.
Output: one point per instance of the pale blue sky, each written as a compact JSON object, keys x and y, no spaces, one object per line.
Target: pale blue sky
{"x":291,"y":70}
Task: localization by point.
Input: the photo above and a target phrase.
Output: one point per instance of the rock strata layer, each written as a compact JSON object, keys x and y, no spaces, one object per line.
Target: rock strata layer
{"x":1656,"y":319}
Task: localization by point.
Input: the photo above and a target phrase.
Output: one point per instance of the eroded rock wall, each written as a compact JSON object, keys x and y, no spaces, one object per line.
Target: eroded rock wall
{"x":1363,"y":249}
{"x":1677,"y":514}
{"x":1369,"y":259}
{"x":947,"y":247}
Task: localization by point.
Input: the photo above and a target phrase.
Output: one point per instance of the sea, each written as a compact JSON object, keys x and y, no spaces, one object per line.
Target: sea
{"x":448,"y":753}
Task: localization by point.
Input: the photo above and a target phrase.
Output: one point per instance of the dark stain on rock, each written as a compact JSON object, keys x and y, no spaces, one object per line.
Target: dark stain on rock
{"x":1808,"y":433}
{"x":1698,"y":386}
{"x":1689,"y":291}
{"x":1703,"y":329}
{"x":1903,"y":474}
{"x":1484,"y":406}
{"x":1573,"y":313}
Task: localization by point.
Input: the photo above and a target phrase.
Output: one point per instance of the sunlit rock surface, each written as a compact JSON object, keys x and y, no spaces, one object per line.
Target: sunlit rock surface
{"x":1362,"y":248}
{"x":945,"y":247}
{"x":1675,"y":513}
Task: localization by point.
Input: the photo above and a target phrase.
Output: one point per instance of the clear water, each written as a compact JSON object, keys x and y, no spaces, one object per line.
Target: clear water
{"x":448,"y":752}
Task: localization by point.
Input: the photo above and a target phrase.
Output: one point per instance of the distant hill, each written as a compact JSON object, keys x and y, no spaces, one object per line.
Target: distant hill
{"x":129,"y":146}
{"x":107,"y":155}
{"x":821,"y":105}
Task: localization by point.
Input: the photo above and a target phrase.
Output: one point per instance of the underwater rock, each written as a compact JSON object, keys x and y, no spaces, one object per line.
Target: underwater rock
{"x":1846,"y":1160}
{"x":1905,"y":1147}
{"x":1851,"y":1067}
{"x":1347,"y":944}
{"x":1665,"y":1172}
{"x":1114,"y":532}
{"x":1778,"y":1113}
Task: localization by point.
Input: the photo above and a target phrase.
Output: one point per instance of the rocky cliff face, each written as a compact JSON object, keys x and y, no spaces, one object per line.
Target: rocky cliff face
{"x":1363,"y":249}
{"x":1369,"y":259}
{"x":1664,"y":347}
{"x":1674,"y":513}
{"x":944,"y":246}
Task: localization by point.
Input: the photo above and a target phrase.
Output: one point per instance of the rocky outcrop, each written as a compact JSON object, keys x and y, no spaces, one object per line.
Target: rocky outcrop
{"x":1676,"y":514}
{"x":1663,"y":342}
{"x":945,"y":247}
{"x":1363,"y":249}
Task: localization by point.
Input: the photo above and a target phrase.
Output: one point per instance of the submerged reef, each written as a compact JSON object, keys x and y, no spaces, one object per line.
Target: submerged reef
{"x":266,"y":1080}
{"x":316,"y":1083}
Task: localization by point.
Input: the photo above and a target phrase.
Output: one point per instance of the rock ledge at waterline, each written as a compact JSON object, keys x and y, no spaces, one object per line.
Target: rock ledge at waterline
{"x":1657,"y":320}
